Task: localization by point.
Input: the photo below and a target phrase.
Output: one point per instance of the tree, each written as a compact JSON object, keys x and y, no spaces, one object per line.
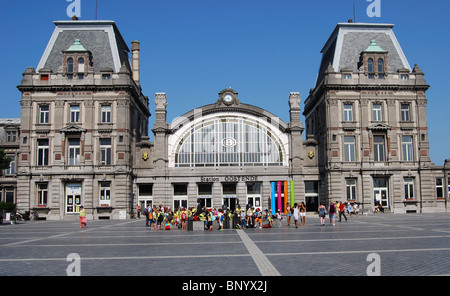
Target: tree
{"x":4,"y":161}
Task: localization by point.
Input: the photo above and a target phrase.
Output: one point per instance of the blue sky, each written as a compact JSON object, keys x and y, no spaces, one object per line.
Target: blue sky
{"x":264,"y":49}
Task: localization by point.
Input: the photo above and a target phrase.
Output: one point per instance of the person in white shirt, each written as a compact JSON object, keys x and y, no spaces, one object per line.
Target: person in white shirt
{"x":296,"y":214}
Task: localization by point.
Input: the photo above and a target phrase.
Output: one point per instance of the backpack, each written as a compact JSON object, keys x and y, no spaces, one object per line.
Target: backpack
{"x":332,"y":209}
{"x":150,"y":215}
{"x":183,"y":216}
{"x":146,"y":211}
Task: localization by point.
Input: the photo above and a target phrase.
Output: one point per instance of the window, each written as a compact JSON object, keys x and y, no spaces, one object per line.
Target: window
{"x":404,"y":77}
{"x":180,"y":196}
{"x":380,"y":65}
{"x":350,"y":185}
{"x":74,"y":114}
{"x":44,"y":114}
{"x":105,"y":151}
{"x":348,"y":112}
{"x":229,"y":142}
{"x":42,"y":191}
{"x":105,"y":194}
{"x":376,"y":112}
{"x":42,"y":152}
{"x":70,"y":68}
{"x":12,"y":166}
{"x":11,"y":136}
{"x":349,"y":148}
{"x":9,"y":194}
{"x":347,"y":76}
{"x":370,"y":67}
{"x":106,"y":113}
{"x":74,"y":151}
{"x":69,"y":65}
{"x":409,"y":188}
{"x":205,"y":194}
{"x":407,"y":148}
{"x":439,"y":187}
{"x":378,"y":147}
{"x":80,"y":65}
{"x":106,"y":76}
{"x":405,"y":112}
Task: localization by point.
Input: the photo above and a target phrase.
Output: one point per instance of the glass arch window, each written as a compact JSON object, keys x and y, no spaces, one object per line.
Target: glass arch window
{"x":228,"y":142}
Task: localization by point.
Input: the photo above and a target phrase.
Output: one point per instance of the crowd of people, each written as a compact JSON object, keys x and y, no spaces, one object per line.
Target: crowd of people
{"x":165,"y":218}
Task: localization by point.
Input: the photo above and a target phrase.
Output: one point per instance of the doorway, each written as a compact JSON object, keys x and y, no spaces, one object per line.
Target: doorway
{"x":73,"y":198}
{"x":380,"y":192}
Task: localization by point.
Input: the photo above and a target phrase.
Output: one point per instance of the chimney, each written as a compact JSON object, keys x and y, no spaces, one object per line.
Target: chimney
{"x":135,"y":61}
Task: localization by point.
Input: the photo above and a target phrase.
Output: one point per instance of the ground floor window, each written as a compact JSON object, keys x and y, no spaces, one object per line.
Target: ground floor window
{"x":439,"y":188}
{"x":409,"y":188}
{"x":145,"y":195}
{"x":350,"y":185}
{"x":205,"y":194}
{"x":42,"y":190}
{"x":180,"y":198}
{"x":105,"y":194}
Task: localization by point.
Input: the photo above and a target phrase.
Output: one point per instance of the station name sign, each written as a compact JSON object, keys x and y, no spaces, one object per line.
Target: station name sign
{"x":229,"y":179}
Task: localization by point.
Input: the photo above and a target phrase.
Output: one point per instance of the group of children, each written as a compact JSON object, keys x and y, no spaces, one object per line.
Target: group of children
{"x":163,"y":218}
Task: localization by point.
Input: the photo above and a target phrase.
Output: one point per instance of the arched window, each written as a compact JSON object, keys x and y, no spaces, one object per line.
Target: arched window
{"x":228,"y":142}
{"x":380,"y":65}
{"x":370,"y":68}
{"x":69,"y":65}
{"x":80,"y":65}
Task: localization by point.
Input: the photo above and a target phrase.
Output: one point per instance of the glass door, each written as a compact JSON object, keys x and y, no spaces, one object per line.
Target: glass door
{"x":380,"y":192}
{"x":73,"y":198}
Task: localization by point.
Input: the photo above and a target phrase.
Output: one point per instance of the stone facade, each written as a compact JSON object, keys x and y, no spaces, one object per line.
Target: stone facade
{"x":368,"y":114}
{"x":84,"y":134}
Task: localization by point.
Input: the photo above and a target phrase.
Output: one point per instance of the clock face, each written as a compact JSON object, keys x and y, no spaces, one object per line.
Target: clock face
{"x":228,"y":99}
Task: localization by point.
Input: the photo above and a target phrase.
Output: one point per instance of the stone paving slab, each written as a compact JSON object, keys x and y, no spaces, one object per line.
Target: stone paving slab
{"x":406,"y":245}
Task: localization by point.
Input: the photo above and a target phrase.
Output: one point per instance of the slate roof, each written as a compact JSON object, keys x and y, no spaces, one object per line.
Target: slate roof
{"x":348,"y":40}
{"x":101,"y":38}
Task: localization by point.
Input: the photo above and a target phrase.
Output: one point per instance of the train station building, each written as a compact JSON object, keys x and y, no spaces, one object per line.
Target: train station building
{"x":84,"y":135}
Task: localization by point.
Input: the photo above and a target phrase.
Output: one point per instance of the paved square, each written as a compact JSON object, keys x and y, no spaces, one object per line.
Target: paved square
{"x":407,"y":245}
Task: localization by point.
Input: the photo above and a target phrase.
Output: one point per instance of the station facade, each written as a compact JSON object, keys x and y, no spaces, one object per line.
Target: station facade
{"x":84,"y":137}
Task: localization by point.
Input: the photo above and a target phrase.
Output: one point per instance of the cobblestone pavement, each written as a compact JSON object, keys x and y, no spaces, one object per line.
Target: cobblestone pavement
{"x":403,"y":245}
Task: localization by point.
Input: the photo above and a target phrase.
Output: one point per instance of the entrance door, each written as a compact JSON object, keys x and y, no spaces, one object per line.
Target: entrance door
{"x":254,"y":201}
{"x":380,"y":192}
{"x":73,"y":198}
{"x":230,"y":202}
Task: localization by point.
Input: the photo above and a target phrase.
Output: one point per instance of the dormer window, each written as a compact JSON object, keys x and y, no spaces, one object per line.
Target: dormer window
{"x":77,"y":60}
{"x":374,"y":59}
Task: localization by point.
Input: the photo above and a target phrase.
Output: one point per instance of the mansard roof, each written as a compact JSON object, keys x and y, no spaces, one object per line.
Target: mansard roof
{"x":349,"y":40}
{"x":101,"y":38}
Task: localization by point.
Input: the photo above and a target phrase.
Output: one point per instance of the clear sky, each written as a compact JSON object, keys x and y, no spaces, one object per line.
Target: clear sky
{"x":264,"y":49}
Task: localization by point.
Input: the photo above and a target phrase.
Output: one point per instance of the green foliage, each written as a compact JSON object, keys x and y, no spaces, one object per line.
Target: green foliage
{"x":7,"y":206}
{"x":4,"y":161}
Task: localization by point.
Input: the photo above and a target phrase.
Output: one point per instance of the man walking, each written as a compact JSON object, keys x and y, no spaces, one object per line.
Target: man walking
{"x":342,"y":212}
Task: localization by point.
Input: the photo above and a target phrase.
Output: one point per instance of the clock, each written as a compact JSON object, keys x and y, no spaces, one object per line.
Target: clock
{"x":227,"y":99}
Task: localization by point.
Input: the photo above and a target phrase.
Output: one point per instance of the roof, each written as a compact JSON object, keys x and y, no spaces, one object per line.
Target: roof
{"x":101,"y":38}
{"x":76,"y":46}
{"x":349,"y":40}
{"x":374,"y":47}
